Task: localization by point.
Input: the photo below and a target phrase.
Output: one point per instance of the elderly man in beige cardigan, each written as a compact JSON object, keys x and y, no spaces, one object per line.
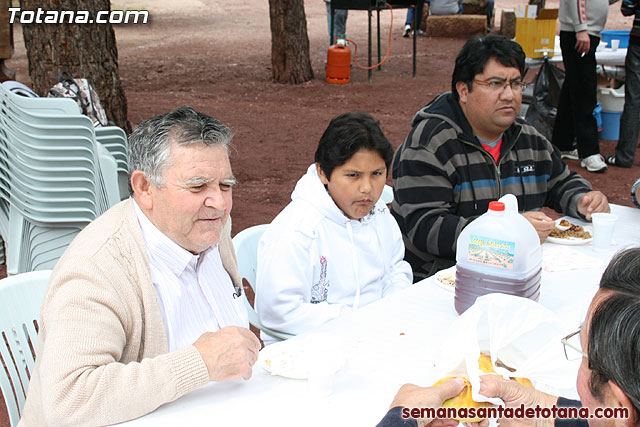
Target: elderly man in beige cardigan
{"x":144,"y":305}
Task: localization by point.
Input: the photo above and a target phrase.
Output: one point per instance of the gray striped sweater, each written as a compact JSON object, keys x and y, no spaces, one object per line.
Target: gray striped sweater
{"x":443,"y":179}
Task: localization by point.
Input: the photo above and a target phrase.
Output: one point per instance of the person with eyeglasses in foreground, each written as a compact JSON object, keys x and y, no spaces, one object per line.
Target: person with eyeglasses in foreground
{"x":608,"y":343}
{"x":467,"y":148}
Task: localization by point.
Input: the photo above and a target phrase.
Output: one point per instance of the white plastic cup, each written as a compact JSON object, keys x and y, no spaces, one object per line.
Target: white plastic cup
{"x":603,"y":226}
{"x":615,"y":43}
{"x":320,"y":380}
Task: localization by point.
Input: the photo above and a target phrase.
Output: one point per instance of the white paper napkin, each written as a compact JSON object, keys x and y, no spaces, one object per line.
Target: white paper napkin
{"x":563,"y":258}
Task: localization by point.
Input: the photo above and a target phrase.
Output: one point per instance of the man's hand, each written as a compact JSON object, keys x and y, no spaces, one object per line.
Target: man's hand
{"x":583,"y":42}
{"x":515,"y":394}
{"x":229,"y":353}
{"x":412,"y":396}
{"x":541,"y":222}
{"x":593,"y":201}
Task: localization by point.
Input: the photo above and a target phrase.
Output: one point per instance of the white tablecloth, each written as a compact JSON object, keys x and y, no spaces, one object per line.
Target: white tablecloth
{"x":388,"y":343}
{"x":604,"y":56}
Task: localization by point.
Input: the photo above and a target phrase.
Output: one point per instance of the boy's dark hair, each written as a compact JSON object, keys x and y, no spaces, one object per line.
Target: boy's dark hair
{"x":347,"y":134}
{"x":477,"y":51}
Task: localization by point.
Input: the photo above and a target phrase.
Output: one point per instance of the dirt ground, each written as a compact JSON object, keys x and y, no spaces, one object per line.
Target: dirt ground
{"x":216,"y":57}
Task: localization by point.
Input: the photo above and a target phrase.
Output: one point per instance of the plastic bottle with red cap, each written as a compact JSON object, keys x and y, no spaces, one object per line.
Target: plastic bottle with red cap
{"x":498,"y":252}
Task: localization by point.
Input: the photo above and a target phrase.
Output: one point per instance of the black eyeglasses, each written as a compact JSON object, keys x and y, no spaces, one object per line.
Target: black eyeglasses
{"x":573,"y":347}
{"x":499,"y":85}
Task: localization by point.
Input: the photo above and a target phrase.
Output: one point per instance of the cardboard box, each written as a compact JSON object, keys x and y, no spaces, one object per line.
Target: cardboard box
{"x":536,"y":33}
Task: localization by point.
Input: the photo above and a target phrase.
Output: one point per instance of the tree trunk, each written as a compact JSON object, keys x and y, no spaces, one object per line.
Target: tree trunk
{"x":84,"y":50}
{"x":290,"y":59}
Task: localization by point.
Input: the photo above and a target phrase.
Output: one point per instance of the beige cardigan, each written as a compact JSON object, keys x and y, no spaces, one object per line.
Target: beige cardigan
{"x":102,"y":349}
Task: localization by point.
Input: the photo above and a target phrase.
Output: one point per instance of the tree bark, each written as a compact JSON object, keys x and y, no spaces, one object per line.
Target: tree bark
{"x":290,"y":59}
{"x":84,"y":50}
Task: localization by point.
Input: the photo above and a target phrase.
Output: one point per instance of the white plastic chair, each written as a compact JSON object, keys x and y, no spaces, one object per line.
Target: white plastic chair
{"x":19,"y":89}
{"x":55,"y":177}
{"x":115,"y":140}
{"x":21,"y":297}
{"x":387,"y":194}
{"x":246,"y":246}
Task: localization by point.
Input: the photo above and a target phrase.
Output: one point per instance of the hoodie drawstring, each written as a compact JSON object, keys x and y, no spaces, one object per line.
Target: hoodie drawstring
{"x":473,"y":190}
{"x":356,"y":300}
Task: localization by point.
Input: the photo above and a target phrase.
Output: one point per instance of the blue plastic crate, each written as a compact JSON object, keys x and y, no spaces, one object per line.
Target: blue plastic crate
{"x":610,"y":126}
{"x":609,"y":35}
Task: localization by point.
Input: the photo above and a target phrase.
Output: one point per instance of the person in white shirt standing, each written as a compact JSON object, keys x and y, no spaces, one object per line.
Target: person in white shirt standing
{"x":335,"y":247}
{"x":144,"y":306}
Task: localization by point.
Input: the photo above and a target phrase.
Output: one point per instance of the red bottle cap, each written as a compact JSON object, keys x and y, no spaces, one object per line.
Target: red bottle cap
{"x":496,"y":206}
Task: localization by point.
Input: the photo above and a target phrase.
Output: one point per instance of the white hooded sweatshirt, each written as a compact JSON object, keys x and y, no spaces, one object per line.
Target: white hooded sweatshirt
{"x":314,"y":263}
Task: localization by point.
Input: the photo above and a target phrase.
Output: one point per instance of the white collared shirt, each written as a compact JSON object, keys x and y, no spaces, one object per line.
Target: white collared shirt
{"x":195,"y":292}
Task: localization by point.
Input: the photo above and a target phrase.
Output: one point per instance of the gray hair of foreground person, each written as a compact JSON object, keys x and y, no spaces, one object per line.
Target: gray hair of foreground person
{"x":477,"y":51}
{"x":614,"y":333}
{"x":150,"y":144}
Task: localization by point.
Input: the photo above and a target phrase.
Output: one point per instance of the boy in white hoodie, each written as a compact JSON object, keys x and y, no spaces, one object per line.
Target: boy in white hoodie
{"x":335,"y":247}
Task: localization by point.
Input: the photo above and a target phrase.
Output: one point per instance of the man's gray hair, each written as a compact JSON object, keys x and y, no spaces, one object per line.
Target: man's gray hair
{"x":614,"y":333}
{"x":150,"y":144}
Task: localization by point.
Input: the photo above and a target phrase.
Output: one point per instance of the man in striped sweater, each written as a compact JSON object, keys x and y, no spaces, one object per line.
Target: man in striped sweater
{"x":467,"y":147}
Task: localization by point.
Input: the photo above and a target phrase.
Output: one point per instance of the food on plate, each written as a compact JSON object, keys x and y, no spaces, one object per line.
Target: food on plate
{"x":285,"y":363}
{"x":447,"y":278}
{"x":464,"y":398}
{"x":573,"y":232}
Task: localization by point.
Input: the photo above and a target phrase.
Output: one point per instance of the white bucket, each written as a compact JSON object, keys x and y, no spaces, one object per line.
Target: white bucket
{"x":612,"y":99}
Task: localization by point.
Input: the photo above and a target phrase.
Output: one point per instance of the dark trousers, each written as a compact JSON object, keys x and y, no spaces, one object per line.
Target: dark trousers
{"x":578,"y":98}
{"x":630,"y":119}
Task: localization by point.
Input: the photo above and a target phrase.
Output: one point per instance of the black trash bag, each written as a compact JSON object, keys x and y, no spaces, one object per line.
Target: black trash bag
{"x":546,"y":94}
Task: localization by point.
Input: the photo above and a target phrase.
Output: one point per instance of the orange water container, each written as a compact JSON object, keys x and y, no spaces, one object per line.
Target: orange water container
{"x":338,"y":63}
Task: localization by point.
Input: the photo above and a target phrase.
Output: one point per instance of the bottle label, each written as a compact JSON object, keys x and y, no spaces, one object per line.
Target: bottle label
{"x":491,"y":252}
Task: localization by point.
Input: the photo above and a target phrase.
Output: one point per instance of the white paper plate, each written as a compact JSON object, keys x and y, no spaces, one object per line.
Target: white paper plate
{"x":284,"y":362}
{"x":296,"y":358}
{"x":451,"y":272}
{"x":571,"y":241}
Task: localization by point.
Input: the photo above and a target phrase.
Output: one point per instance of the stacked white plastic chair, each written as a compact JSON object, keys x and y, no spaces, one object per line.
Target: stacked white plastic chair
{"x":246,"y":246}
{"x":115,"y":141}
{"x":22,"y":90}
{"x":55,"y":178}
{"x":21,"y":297}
